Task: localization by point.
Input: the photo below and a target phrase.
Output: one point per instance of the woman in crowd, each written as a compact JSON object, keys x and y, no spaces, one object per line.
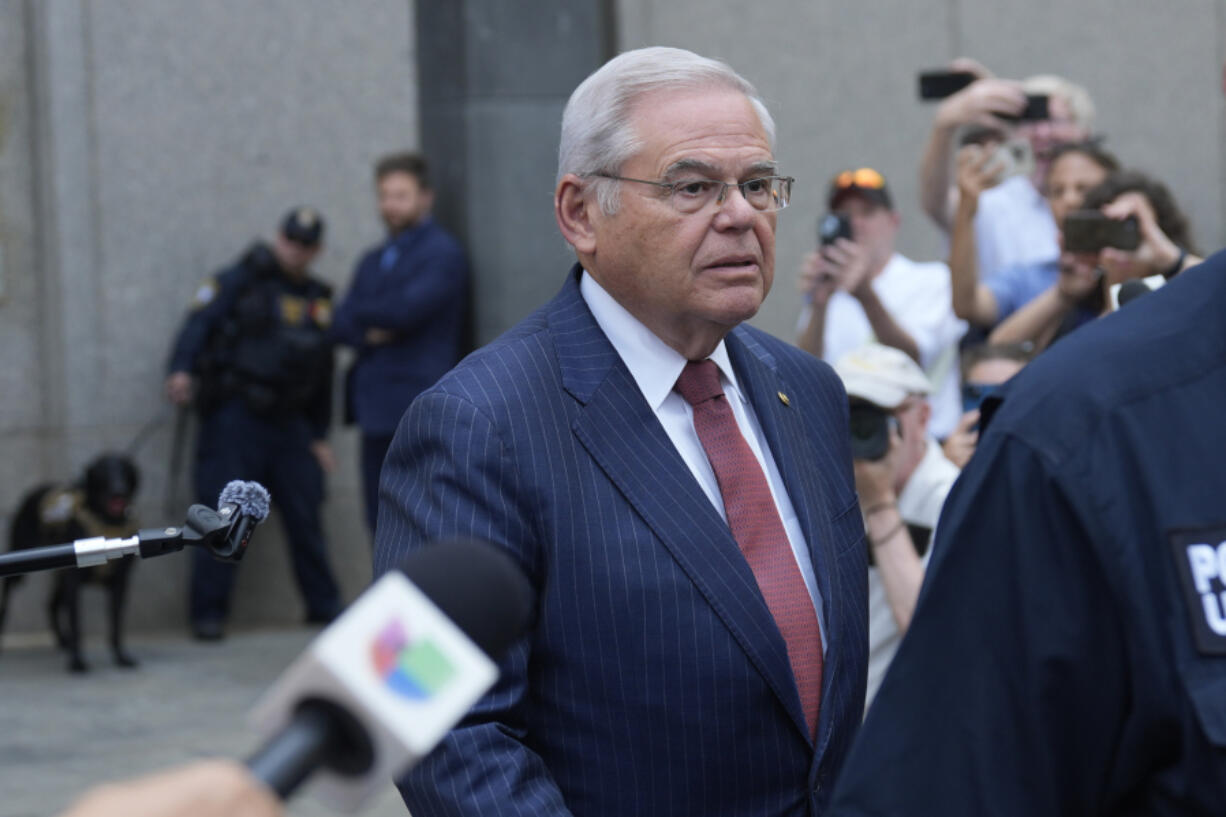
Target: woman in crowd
{"x":1073,"y":169}
{"x":1080,"y":292}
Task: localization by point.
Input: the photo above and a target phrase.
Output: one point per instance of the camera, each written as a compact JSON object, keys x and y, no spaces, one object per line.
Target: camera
{"x":832,"y":227}
{"x":870,"y":430}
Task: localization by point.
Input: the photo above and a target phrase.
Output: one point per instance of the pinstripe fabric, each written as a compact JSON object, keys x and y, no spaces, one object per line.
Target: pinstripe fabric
{"x":655,"y":681}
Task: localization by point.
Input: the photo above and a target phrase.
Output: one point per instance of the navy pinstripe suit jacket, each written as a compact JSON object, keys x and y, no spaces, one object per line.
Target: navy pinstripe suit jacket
{"x":655,"y":681}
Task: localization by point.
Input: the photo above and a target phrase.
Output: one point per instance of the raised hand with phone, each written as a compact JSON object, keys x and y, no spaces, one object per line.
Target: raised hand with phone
{"x":1128,"y":227}
{"x":859,"y":288}
{"x":1024,"y":122}
{"x":1156,"y":252}
{"x":839,"y":263}
{"x":855,"y":243}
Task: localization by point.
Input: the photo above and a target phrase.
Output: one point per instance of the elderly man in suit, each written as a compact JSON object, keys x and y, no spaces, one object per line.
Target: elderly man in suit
{"x":677,"y":485}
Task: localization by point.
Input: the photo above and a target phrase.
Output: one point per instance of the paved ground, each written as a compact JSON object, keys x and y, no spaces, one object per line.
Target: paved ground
{"x":61,"y":733}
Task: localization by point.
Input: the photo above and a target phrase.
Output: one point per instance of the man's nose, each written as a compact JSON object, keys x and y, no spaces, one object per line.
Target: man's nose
{"x":735,"y":209}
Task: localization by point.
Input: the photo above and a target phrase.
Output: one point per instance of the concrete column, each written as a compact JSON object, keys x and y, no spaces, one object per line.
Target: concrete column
{"x":493,"y":82}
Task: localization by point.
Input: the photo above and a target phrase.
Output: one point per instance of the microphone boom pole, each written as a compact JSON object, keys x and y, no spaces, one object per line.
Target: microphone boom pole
{"x":225,"y":533}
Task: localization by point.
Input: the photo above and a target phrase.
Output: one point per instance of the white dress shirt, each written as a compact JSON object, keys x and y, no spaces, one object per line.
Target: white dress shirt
{"x":917,"y":296}
{"x":655,"y":367}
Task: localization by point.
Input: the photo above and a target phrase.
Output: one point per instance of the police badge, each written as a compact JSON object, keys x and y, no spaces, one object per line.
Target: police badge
{"x":1200,"y":561}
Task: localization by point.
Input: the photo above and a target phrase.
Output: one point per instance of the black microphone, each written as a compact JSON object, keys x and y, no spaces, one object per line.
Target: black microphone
{"x":1131,"y":290}
{"x":224,"y":533}
{"x":381,"y":686}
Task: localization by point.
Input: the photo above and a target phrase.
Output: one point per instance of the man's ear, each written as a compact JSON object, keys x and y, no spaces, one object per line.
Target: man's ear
{"x":574,"y":206}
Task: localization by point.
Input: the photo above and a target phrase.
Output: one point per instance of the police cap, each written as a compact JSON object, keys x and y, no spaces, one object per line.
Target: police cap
{"x":303,"y":225}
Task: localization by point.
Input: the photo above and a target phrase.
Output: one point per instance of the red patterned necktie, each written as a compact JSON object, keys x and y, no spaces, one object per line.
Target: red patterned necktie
{"x":757,"y":528}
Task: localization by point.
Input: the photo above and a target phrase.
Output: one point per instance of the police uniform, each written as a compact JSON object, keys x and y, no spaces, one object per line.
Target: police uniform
{"x":257,"y":342}
{"x":1068,"y":652}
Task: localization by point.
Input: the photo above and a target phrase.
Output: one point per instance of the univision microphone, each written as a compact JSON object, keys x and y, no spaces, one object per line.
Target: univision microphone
{"x":224,"y":533}
{"x":385,"y":682}
{"x":1128,"y":291}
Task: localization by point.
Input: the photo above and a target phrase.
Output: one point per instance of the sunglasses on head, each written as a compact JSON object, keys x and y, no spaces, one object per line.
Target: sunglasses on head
{"x":864,"y":178}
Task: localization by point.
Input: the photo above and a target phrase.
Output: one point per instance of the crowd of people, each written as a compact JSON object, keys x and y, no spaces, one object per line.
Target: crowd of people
{"x":1003,"y":189}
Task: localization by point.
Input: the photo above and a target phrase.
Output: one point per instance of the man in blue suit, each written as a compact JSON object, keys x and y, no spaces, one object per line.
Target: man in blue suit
{"x":405,"y":313}
{"x":677,"y":486}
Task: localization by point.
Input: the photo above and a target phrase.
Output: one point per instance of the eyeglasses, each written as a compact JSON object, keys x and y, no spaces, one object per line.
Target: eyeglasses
{"x":765,"y":193}
{"x":864,"y":178}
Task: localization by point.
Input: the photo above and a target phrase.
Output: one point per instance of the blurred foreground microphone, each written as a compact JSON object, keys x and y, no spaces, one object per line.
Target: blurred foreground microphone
{"x":378,"y":689}
{"x":1131,"y":290}
{"x":224,"y":533}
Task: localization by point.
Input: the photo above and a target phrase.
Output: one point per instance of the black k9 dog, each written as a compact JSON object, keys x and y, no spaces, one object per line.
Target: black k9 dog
{"x":99,"y":504}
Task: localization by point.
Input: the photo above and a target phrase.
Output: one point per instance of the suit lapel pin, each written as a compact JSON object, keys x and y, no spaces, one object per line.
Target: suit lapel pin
{"x":783,"y":398}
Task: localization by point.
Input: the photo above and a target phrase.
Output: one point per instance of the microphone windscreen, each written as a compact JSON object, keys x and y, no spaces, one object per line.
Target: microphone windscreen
{"x":476,"y":585}
{"x":251,"y":498}
{"x":1131,"y":290}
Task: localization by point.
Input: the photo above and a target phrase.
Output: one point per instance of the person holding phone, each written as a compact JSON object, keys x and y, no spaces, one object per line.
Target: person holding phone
{"x":1013,"y":223}
{"x":1163,"y":247}
{"x":1074,"y":169}
{"x":859,"y":288}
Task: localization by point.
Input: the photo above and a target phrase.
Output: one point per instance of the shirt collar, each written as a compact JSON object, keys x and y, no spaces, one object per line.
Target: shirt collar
{"x":654,"y":365}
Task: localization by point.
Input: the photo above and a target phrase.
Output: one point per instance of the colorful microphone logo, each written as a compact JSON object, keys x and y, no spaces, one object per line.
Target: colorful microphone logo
{"x":415,"y":669}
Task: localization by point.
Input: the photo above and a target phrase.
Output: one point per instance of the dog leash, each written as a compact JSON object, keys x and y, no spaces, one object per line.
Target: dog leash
{"x":178,"y":443}
{"x":154,"y":422}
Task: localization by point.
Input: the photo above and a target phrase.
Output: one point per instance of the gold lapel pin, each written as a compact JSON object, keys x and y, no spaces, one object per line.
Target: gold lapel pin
{"x":783,"y":398}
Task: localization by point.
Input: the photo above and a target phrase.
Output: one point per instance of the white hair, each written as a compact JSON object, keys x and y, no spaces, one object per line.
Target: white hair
{"x":597,"y":135}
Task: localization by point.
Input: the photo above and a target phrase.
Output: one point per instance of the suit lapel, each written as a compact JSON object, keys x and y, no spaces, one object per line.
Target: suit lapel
{"x":789,"y":442}
{"x":622,"y":434}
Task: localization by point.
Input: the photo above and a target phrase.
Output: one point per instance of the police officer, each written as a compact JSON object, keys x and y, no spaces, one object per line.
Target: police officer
{"x":405,"y":313}
{"x":255,"y":356}
{"x":1068,"y":653}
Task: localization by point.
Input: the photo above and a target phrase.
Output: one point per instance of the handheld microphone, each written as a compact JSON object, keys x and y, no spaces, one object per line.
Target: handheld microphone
{"x":381,"y":686}
{"x":224,"y":533}
{"x":1130,"y":290}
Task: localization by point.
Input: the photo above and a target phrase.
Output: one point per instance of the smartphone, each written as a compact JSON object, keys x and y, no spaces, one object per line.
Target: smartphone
{"x":940,"y":84}
{"x":1014,"y":158}
{"x":1037,"y":109}
{"x":832,"y":227}
{"x":1091,"y":231}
